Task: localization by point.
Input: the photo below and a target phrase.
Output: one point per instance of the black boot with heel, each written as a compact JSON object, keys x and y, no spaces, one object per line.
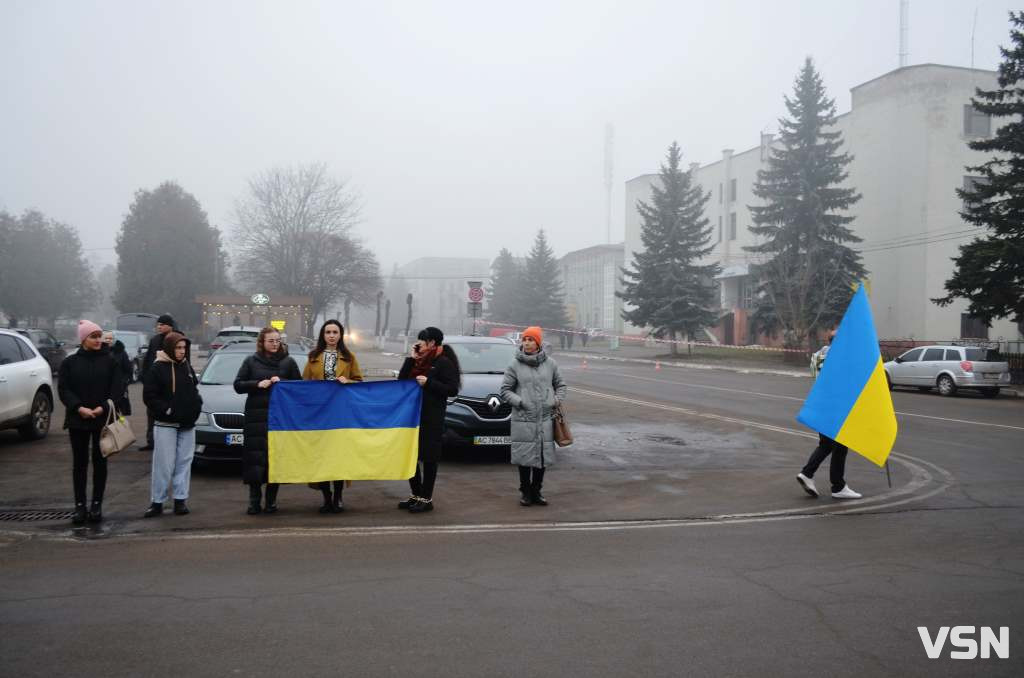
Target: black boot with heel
{"x":255,"y":497}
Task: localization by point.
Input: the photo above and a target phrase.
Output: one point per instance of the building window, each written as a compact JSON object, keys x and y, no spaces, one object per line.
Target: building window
{"x":732,"y":226}
{"x":972,"y":328}
{"x":732,"y":190}
{"x":976,"y":123}
{"x":746,"y":293}
{"x":971,"y":183}
{"x":719,"y":193}
{"x":719,"y":229}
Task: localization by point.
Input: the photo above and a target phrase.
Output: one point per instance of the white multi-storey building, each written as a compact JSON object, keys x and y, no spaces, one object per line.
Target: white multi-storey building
{"x":907,"y":131}
{"x":590,"y":278}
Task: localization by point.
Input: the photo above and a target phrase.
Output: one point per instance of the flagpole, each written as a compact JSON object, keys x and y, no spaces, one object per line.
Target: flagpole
{"x":888,"y":475}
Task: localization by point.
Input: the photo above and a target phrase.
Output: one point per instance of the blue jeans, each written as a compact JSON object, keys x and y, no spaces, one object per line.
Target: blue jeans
{"x":173,"y":449}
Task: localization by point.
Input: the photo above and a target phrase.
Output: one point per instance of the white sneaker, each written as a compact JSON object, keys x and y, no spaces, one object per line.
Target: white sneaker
{"x":807,"y":484}
{"x":846,"y":493}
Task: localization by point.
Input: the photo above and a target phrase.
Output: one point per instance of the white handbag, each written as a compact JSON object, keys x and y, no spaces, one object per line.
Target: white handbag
{"x":117,"y":433}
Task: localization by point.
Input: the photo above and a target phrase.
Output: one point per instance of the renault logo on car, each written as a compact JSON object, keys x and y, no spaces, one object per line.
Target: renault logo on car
{"x":494,"y":403}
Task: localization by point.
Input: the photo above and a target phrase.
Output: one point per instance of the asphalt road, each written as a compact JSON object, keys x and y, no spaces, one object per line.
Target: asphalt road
{"x":677,"y":543}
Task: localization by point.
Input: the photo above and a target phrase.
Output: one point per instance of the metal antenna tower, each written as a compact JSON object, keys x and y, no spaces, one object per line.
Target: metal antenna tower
{"x":904,"y":31}
{"x":609,"y":162}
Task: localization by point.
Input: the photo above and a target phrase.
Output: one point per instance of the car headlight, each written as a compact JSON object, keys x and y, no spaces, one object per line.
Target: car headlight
{"x":203,"y":419}
{"x":451,"y":401}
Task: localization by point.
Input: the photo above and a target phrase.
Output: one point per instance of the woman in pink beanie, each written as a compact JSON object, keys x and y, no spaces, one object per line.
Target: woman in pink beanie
{"x":88,"y":378}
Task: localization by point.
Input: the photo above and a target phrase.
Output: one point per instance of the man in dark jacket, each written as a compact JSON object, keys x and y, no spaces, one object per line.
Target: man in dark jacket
{"x":164,"y":324}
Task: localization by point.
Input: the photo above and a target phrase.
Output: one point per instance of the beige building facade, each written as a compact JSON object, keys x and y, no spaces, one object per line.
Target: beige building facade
{"x":908,"y":132}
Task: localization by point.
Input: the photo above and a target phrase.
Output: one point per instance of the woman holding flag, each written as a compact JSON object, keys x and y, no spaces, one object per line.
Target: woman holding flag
{"x":435,"y":367}
{"x":256,"y":377}
{"x":331,"y":360}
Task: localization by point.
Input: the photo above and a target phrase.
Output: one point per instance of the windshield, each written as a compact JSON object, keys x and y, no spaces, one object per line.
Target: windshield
{"x":982,"y":355}
{"x":223,"y":367}
{"x":130,"y":340}
{"x":484,"y":358}
{"x":236,"y":333}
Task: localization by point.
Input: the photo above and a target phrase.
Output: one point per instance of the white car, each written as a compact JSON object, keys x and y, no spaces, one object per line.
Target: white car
{"x":949,"y":368}
{"x":26,"y":387}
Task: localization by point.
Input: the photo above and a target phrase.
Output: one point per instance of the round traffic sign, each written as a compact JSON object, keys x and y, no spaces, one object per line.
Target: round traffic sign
{"x":476,"y":295}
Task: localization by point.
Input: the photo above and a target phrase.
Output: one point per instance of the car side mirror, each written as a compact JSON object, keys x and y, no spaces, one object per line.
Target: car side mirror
{"x":60,"y":344}
{"x":899,"y":360}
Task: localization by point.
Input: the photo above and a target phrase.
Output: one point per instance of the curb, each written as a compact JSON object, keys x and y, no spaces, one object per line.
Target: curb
{"x":695,"y":366}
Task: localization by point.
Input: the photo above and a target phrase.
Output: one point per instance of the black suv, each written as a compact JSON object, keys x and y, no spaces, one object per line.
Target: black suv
{"x":47,"y":345}
{"x":477,"y":417}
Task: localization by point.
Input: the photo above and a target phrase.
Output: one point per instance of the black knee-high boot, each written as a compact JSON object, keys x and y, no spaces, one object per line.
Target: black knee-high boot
{"x":525,"y":491}
{"x":337,"y":506}
{"x":255,"y":497}
{"x":538,"y":481}
{"x":325,"y":489}
{"x":271,"y":504}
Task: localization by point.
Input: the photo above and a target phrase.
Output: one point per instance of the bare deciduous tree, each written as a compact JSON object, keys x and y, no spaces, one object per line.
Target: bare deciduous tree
{"x":293,"y":235}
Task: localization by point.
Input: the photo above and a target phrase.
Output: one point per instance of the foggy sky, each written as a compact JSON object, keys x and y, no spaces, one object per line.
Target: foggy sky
{"x":464,"y":126}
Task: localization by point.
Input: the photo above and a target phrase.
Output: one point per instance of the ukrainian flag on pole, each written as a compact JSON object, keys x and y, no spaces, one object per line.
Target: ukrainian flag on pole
{"x":850,"y":402}
{"x":322,"y":430}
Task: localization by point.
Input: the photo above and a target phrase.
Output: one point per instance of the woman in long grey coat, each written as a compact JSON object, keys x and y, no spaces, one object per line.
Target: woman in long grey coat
{"x":533,"y":387}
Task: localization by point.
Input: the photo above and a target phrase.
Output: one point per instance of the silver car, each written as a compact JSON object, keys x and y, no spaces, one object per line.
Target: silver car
{"x":949,"y":368}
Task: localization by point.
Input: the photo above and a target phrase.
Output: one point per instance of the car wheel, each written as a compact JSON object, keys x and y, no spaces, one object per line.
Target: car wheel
{"x":946,"y":385}
{"x":38,"y":424}
{"x":990,"y":392}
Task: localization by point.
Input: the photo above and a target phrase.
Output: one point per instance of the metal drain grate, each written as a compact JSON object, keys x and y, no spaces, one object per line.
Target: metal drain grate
{"x":33,"y":515}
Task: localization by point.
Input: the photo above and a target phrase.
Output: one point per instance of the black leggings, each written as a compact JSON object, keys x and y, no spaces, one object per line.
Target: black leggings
{"x":837,"y":467}
{"x":80,"y":451}
{"x":524,"y":478}
{"x":422,"y":484}
{"x":339,"y":487}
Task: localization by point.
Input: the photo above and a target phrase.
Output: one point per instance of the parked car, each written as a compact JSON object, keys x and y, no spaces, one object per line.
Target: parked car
{"x":135,"y":345}
{"x":137,"y":322}
{"x":219,"y":426}
{"x":949,"y":368}
{"x":477,"y":417}
{"x":47,"y":346}
{"x":235,"y":331}
{"x":26,"y":387}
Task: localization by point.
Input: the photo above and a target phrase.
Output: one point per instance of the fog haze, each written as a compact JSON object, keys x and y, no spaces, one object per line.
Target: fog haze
{"x":464,"y":126}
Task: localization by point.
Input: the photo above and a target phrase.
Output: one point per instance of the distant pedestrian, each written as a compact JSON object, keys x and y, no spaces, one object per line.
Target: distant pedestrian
{"x":164,"y":324}
{"x":584,"y":336}
{"x":435,"y":367}
{"x":331,"y":360}
{"x":87,"y":379}
{"x":170,"y":391}
{"x":533,"y":386}
{"x":256,"y":377}
{"x":827,"y":446}
{"x":116,"y":347}
{"x":561,"y":339}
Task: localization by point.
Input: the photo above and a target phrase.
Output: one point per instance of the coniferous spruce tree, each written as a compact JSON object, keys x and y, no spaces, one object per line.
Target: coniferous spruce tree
{"x":668,"y":288}
{"x":504,"y":295}
{"x":809,"y":273}
{"x":990,"y":270}
{"x":542,"y":296}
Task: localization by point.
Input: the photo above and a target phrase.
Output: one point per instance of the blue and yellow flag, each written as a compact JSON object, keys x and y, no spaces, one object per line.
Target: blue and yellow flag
{"x":322,"y":430}
{"x":850,"y":402}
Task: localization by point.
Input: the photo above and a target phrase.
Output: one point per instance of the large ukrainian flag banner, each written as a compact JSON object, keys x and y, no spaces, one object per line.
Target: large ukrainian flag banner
{"x":322,"y":430}
{"x":850,"y":401}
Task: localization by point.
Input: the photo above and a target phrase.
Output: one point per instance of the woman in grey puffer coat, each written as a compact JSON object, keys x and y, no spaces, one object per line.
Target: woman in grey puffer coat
{"x":532,"y":386}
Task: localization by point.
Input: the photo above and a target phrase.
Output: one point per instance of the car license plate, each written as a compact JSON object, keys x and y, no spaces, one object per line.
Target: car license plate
{"x":990,"y":375}
{"x":492,"y":440}
{"x":235,"y":439}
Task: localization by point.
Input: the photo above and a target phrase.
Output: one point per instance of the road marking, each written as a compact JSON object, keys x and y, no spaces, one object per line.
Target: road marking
{"x":800,"y":400}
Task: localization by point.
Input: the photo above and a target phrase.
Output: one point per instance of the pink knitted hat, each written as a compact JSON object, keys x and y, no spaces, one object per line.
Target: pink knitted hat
{"x":85,"y":328}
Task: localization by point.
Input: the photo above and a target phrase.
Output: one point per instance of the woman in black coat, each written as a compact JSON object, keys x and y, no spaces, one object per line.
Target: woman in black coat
{"x":435,"y":367}
{"x":123,"y":404}
{"x":86,"y":381}
{"x":257,"y":375}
